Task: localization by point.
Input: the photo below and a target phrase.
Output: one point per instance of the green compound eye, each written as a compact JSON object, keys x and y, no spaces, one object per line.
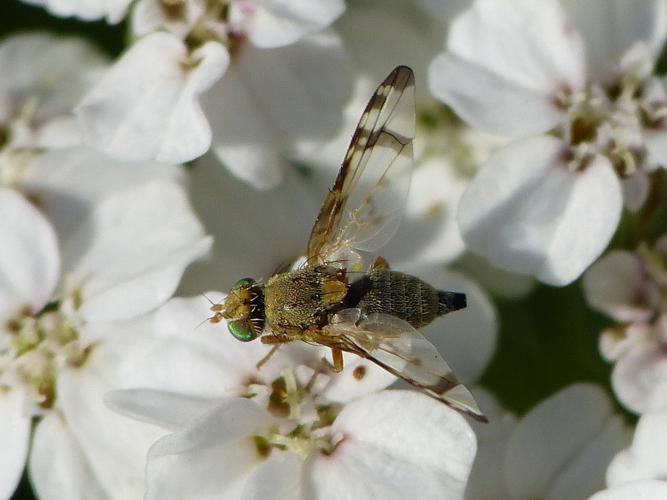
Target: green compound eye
{"x":243,"y":282}
{"x":241,"y":330}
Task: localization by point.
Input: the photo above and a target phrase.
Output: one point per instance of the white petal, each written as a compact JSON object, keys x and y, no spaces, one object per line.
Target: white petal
{"x":67,"y":182}
{"x":279,"y":478}
{"x":635,"y":190}
{"x":88,"y":10}
{"x":169,"y":410}
{"x":645,"y":459}
{"x":114,"y":445}
{"x":146,"y":107}
{"x":257,"y":120}
{"x":617,"y":285}
{"x":565,"y":442}
{"x":58,"y":467}
{"x":611,"y":28}
{"x":14,"y":440}
{"x":212,"y":458}
{"x":29,"y":260}
{"x":142,"y":240}
{"x":495,"y":280}
{"x":526,"y":212}
{"x":639,"y":378}
{"x":506,"y":61}
{"x":639,"y":490}
{"x":394,"y":443}
{"x":276,"y":23}
{"x":656,"y":144}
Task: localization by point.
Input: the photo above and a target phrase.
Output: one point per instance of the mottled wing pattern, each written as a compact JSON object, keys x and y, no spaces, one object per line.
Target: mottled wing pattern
{"x":397,"y":347}
{"x":365,"y":205}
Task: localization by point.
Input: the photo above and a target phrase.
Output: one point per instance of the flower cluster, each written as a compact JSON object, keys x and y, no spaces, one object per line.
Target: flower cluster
{"x":539,"y":162}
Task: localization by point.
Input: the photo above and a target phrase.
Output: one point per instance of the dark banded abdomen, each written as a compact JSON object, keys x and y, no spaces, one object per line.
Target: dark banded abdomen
{"x":402,"y":295}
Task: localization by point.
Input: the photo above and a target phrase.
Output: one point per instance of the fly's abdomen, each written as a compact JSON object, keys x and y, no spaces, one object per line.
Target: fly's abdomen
{"x":402,"y":295}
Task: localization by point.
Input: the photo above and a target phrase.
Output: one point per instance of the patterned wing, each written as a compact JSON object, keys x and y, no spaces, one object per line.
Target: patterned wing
{"x":365,"y":205}
{"x":397,"y":347}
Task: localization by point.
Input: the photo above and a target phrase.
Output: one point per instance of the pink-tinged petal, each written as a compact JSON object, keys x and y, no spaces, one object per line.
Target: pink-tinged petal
{"x":276,"y":23}
{"x":58,"y":465}
{"x":273,"y":102}
{"x":645,"y":458}
{"x":566,"y":443}
{"x":612,"y":27}
{"x":394,"y":444}
{"x":279,"y":478}
{"x":67,"y":182}
{"x":147,"y":106}
{"x":618,"y":285}
{"x":505,"y":63}
{"x":211,"y":458}
{"x":639,"y":378}
{"x":115,"y":446}
{"x":130,"y":254}
{"x":637,"y":490}
{"x":169,"y":410}
{"x":14,"y":440}
{"x":527,"y":212}
{"x":29,"y":259}
{"x":87,"y":10}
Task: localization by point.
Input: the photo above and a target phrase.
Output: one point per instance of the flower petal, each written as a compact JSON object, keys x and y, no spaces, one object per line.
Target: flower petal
{"x":525,"y":211}
{"x":146,"y":107}
{"x":279,"y":478}
{"x":112,"y":10}
{"x":58,"y":465}
{"x":211,"y":458}
{"x":394,"y":443}
{"x":638,"y":490}
{"x":612,"y":27}
{"x":645,"y":458}
{"x":276,"y":23}
{"x":505,"y":63}
{"x":14,"y":440}
{"x":29,"y":260}
{"x":129,"y":256}
{"x":566,"y":442}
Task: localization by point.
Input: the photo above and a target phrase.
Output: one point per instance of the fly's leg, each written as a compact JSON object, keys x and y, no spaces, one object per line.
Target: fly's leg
{"x":268,"y":356}
{"x":324,"y":365}
{"x":276,"y":340}
{"x":337,"y":356}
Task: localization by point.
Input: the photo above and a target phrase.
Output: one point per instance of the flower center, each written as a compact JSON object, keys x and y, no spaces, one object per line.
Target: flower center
{"x":40,"y":345}
{"x":303,"y":423}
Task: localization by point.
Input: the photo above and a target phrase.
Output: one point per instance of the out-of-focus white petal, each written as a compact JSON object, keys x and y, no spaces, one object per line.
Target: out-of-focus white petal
{"x":211,"y":458}
{"x":612,"y":27}
{"x":29,"y":259}
{"x":394,"y":444}
{"x":87,"y":10}
{"x":169,"y":410}
{"x":273,"y":102}
{"x":114,"y":445}
{"x":279,"y":478}
{"x":617,"y":285}
{"x":130,"y":254}
{"x":635,"y":190}
{"x":58,"y":465}
{"x":14,"y":440}
{"x":45,"y":76}
{"x":527,"y":212}
{"x":656,"y":144}
{"x":495,"y":280}
{"x":509,"y":87}
{"x":566,"y":443}
{"x":637,"y":490}
{"x":276,"y":23}
{"x":645,"y":458}
{"x":67,"y":182}
{"x":639,"y":378}
{"x":146,"y":107}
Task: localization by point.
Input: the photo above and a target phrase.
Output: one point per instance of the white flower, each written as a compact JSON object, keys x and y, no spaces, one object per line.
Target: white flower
{"x":286,"y":430}
{"x":548,"y":205}
{"x":284,"y":82}
{"x":62,"y":339}
{"x":629,"y":287}
{"x":88,"y":10}
{"x":565,"y":443}
{"x":44,"y":77}
{"x":637,"y":490}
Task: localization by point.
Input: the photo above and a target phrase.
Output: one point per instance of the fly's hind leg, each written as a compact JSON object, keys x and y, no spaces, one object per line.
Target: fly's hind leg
{"x":276,"y":341}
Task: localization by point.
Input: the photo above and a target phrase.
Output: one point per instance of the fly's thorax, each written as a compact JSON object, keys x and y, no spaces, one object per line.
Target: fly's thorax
{"x":304,"y":298}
